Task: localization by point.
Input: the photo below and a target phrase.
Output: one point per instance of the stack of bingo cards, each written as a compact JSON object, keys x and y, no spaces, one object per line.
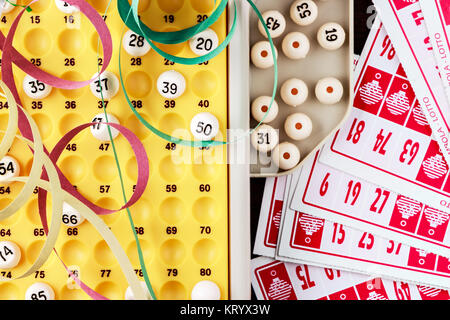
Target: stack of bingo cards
{"x":366,"y":217}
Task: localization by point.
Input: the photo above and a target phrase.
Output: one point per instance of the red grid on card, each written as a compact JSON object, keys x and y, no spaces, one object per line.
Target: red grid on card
{"x":372,"y":90}
{"x":275,"y":282}
{"x":398,"y":102}
{"x":421,"y":259}
{"x":307,"y":231}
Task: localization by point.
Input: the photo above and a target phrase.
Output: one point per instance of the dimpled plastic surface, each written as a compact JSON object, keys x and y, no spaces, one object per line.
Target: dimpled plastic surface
{"x":182,"y":219}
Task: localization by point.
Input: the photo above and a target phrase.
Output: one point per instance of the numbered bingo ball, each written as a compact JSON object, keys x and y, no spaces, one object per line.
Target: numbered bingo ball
{"x":129,"y":293}
{"x":286,"y":155}
{"x":298,"y":126}
{"x":304,"y":12}
{"x":275,"y":22}
{"x":205,"y":290}
{"x":261,"y":55}
{"x":65,"y":7}
{"x":39,"y":291}
{"x":135,"y":45}
{"x":99,"y":128}
{"x":260,"y":107}
{"x":9,"y":254}
{"x":294,"y":92}
{"x":264,"y":138}
{"x":70,"y":216}
{"x":204,"y":126}
{"x":35,"y":89}
{"x":331,"y":36}
{"x":171,"y":84}
{"x":204,"y":42}
{"x":6,"y":7}
{"x":295,"y":45}
{"x":329,"y":90}
{"x":105,"y":86}
{"x":9,"y":168}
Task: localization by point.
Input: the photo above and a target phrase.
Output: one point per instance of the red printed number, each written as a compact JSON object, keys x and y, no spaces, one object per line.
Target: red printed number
{"x":304,"y":277}
{"x":324,"y":186}
{"x":353,"y":191}
{"x":410,"y":150}
{"x":381,"y":142}
{"x":338,"y":233}
{"x":355,"y":131}
{"x":387,"y":45}
{"x":367,"y":241}
{"x":383,"y":196}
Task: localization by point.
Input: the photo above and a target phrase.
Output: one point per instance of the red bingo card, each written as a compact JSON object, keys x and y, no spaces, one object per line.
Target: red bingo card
{"x":276,"y":280}
{"x":387,"y":139}
{"x":305,"y":235}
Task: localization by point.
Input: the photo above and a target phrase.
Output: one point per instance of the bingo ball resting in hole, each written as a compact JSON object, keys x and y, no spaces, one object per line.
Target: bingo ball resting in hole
{"x":204,"y":126}
{"x":298,"y":126}
{"x":65,"y":7}
{"x":106,"y":86}
{"x":264,"y":138}
{"x":261,"y":55}
{"x":9,"y":168}
{"x":275,"y":22}
{"x":35,"y":89}
{"x":40,"y":291}
{"x":129,"y":293}
{"x":331,"y":36}
{"x":205,"y":290}
{"x":171,"y":84}
{"x":9,"y":254}
{"x":286,"y":155}
{"x":329,"y":90}
{"x":260,"y":107}
{"x":294,"y":92}
{"x":304,"y":12}
{"x":204,"y":42}
{"x":100,"y":129}
{"x":295,"y":45}
{"x":135,"y":45}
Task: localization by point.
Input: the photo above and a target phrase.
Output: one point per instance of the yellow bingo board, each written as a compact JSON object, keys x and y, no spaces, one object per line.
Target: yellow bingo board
{"x":183,"y":218}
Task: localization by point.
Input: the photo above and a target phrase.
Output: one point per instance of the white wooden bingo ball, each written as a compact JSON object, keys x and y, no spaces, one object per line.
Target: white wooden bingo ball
{"x":204,"y":126}
{"x":261,"y":55}
{"x":100,"y":129}
{"x":304,"y":12}
{"x":9,"y":254}
{"x":275,"y":22}
{"x":35,"y":89}
{"x":298,"y":126}
{"x":295,"y":45}
{"x":205,"y":290}
{"x":171,"y":84}
{"x":70,"y":216}
{"x":135,"y":45}
{"x":9,"y":168}
{"x":204,"y":42}
{"x":106,"y":85}
{"x":331,"y":36}
{"x":329,"y":90}
{"x":129,"y":293}
{"x":286,"y":155}
{"x":294,"y":92}
{"x":260,"y":107}
{"x":40,"y":291}
{"x":6,"y":7}
{"x":66,"y":8}
{"x":264,"y":138}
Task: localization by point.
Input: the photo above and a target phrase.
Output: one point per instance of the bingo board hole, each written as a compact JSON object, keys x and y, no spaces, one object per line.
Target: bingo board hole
{"x":9,"y":291}
{"x":4,"y":119}
{"x":74,"y":168}
{"x":205,"y":251}
{"x":110,"y":290}
{"x":99,"y":5}
{"x":38,"y":42}
{"x":96,"y":44}
{"x":109,"y":203}
{"x":103,"y":254}
{"x":71,"y":42}
{"x":33,"y":212}
{"x":172,"y":124}
{"x":135,"y":125}
{"x":172,"y":49}
{"x":141,"y":211}
{"x":205,"y":210}
{"x":69,"y":122}
{"x":138,"y":84}
{"x":44,"y":124}
{"x":203,"y":6}
{"x":73,"y":294}
{"x":170,"y":6}
{"x":4,"y":202}
{"x":133,"y":254}
{"x":170,"y":170}
{"x":105,"y":169}
{"x":74,"y":252}
{"x":34,"y":249}
{"x":143,"y":5}
{"x":38,"y":6}
{"x":173,"y":290}
{"x":172,"y":210}
{"x":132,"y":168}
{"x":204,"y":171}
{"x":205,"y":84}
{"x":173,"y":252}
{"x":73,"y":93}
